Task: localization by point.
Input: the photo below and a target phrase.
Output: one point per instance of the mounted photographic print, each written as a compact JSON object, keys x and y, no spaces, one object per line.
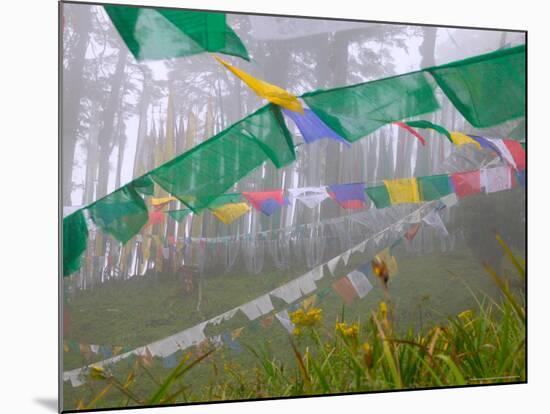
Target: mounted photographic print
{"x":260,"y":206}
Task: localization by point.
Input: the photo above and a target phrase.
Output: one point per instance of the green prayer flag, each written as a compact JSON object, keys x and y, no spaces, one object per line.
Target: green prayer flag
{"x":379,"y":196}
{"x":199,"y":176}
{"x":487,"y":89}
{"x":433,"y":187}
{"x":153,"y":34}
{"x":75,"y":239}
{"x":144,"y":185}
{"x":121,"y":214}
{"x":355,"y":111}
{"x":179,"y":215}
{"x":429,"y":125}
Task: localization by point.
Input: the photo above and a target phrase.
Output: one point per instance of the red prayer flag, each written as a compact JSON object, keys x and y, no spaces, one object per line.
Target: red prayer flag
{"x":345,"y":290}
{"x":466,"y":183}
{"x":517,"y":151}
{"x":412,"y":131}
{"x":257,"y":198}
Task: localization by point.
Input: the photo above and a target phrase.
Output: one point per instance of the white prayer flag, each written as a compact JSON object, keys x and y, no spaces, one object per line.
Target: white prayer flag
{"x":283,"y":317}
{"x":504,"y":151}
{"x":163,"y":348}
{"x":433,"y":219}
{"x":306,"y":283}
{"x":251,"y":310}
{"x":332,"y":264}
{"x":264,"y":304}
{"x":496,"y":179}
{"x":360,"y":283}
{"x":289,"y":292}
{"x":310,"y":196}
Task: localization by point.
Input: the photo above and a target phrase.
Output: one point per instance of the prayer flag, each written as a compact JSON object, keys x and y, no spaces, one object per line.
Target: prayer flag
{"x":179,"y":215}
{"x":75,"y":240}
{"x":459,"y":139}
{"x":272,"y":93}
{"x":122,"y":213}
{"x":379,"y":196}
{"x":433,"y":187}
{"x":310,"y":196}
{"x":434,"y":219}
{"x":357,"y":110}
{"x":496,"y":179}
{"x":284,"y":319}
{"x":360,"y":283}
{"x":403,"y":190}
{"x":158,"y":202}
{"x":312,"y":128}
{"x":156,"y":217}
{"x":265,"y":201}
{"x":449,"y":200}
{"x":517,"y":152}
{"x":153,"y":34}
{"x":351,"y":196}
{"x":521,"y":177}
{"x":228,"y":213}
{"x":466,"y":183}
{"x":503,"y":151}
{"x":344,"y":288}
{"x":486,"y":89}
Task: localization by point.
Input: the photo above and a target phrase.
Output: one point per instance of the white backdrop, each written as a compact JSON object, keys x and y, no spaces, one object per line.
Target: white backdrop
{"x":29,"y":165}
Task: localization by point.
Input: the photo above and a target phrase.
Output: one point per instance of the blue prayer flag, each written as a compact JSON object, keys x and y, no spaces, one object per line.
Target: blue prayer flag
{"x":312,"y":128}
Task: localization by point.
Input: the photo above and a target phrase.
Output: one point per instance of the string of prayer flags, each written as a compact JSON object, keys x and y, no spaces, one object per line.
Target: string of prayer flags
{"x":179,"y":215}
{"x":266,"y":201}
{"x":466,"y":183}
{"x":312,"y":128}
{"x":379,"y":196}
{"x":121,"y":214}
{"x":310,"y":196}
{"x":412,"y":231}
{"x":433,"y":187}
{"x":153,"y":34}
{"x":75,"y":240}
{"x":360,"y":283}
{"x":458,"y":138}
{"x":345,"y":290}
{"x":429,"y":125}
{"x":496,"y":179}
{"x":412,"y":131}
{"x":272,"y":93}
{"x":357,"y":110}
{"x":228,"y":213}
{"x":471,"y":84}
{"x":350,"y":196}
{"x":403,"y":190}
{"x":434,"y":219}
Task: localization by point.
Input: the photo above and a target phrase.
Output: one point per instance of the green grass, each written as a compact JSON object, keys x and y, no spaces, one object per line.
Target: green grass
{"x":422,"y":343}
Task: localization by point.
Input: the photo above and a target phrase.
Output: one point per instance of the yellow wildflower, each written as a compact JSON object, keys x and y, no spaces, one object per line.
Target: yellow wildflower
{"x":348,"y":331}
{"x":296,"y":332}
{"x":466,"y":315}
{"x":306,"y":318}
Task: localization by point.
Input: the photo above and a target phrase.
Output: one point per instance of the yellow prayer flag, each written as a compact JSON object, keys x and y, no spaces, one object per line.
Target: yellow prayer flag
{"x":228,"y":213}
{"x":391,"y":264}
{"x":272,"y":93}
{"x":403,"y":190}
{"x":162,"y":200}
{"x":459,"y":138}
